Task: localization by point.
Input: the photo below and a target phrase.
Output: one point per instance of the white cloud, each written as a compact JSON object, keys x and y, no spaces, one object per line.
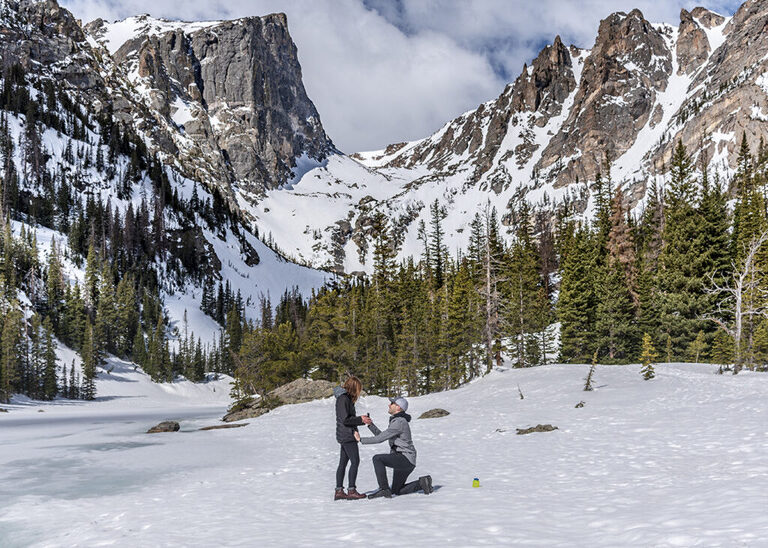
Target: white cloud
{"x":401,"y":70}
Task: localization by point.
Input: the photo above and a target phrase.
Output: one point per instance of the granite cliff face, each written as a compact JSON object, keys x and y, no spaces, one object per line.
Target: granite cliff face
{"x":222,"y":101}
{"x":230,"y":94}
{"x":35,"y":34}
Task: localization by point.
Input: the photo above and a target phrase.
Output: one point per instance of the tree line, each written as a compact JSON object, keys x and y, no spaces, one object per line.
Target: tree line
{"x":661,"y":275}
{"x":148,"y":240}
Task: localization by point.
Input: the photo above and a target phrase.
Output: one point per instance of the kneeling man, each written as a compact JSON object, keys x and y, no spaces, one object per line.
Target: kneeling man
{"x":401,"y":457}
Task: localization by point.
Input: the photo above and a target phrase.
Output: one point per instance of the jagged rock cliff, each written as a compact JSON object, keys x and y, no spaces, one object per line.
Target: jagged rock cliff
{"x":223,"y":103}
{"x":230,"y":93}
{"x":139,"y":151}
{"x":627,"y":100}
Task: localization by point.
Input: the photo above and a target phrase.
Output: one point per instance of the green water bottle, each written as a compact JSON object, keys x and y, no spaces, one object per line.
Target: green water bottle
{"x":476,"y":482}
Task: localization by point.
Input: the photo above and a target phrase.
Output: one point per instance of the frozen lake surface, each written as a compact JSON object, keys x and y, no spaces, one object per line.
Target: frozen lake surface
{"x":681,"y":460}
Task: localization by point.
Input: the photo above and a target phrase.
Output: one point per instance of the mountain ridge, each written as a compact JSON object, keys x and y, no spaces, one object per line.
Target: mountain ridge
{"x":628,"y":99}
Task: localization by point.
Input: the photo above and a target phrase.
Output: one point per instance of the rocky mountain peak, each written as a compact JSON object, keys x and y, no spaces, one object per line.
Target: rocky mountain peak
{"x":692,"y":44}
{"x":628,"y":66}
{"x":230,"y":93}
{"x":707,"y":19}
{"x":549,"y":80}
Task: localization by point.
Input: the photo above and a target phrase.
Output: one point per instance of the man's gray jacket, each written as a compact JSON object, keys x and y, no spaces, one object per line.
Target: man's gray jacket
{"x":399,"y":435}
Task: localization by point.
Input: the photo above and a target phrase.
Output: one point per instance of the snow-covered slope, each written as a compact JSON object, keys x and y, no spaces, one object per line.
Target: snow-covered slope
{"x":675,"y":461}
{"x":630,"y":97}
{"x":115,"y":34}
{"x":95,"y":103}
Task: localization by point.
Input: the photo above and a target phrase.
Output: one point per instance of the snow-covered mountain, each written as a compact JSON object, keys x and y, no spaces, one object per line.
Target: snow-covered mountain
{"x":242,"y":123}
{"x":629,"y":97}
{"x":120,"y":125}
{"x":215,"y":151}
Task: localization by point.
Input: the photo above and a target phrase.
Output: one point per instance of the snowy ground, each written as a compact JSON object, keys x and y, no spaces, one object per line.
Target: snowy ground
{"x":676,"y":461}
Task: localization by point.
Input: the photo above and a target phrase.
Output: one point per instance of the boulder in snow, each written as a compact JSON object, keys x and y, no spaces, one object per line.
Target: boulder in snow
{"x":302,"y":390}
{"x":435,"y":413}
{"x":165,"y":426}
{"x":298,"y":391}
{"x":537,"y":428}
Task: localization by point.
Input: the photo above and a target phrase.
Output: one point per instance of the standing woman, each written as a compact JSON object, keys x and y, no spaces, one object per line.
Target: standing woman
{"x":346,"y":427}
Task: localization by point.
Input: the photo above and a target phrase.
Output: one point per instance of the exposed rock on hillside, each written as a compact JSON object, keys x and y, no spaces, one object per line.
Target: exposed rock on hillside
{"x":231,"y":93}
{"x":298,"y":391}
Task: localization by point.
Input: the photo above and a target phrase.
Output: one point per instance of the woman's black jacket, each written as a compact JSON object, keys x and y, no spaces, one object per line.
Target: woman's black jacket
{"x":347,"y":420}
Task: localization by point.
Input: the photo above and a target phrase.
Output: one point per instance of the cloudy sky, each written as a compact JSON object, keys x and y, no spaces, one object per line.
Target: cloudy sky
{"x":385,"y":71}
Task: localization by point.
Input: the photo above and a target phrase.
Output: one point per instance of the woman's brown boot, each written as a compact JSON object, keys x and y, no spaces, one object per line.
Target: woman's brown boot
{"x":339,"y":494}
{"x":352,"y":494}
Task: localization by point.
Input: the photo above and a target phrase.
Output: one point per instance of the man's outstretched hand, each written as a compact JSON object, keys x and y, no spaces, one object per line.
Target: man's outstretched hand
{"x":366,"y":419}
{"x":357,"y":436}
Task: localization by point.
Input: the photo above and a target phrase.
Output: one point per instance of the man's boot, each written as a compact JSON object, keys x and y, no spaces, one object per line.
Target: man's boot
{"x":425,"y":482}
{"x":339,"y":494}
{"x":381,"y":493}
{"x":352,"y":494}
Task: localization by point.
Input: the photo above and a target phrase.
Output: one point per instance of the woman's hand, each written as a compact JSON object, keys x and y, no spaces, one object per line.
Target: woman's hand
{"x":366,"y":419}
{"x":357,"y":436}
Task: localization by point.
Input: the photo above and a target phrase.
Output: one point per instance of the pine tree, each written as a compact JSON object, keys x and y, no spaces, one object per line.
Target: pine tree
{"x":50,"y":386}
{"x":491,"y":289}
{"x":437,"y":249}
{"x":74,"y":383}
{"x":621,"y":244}
{"x":107,"y":318}
{"x":722,"y":348}
{"x":32,"y":376}
{"x":234,"y":328}
{"x":681,"y":279}
{"x":54,"y":284}
{"x":760,"y":344}
{"x":715,"y":259}
{"x":126,"y":316}
{"x":74,"y":318}
{"x":588,"y":381}
{"x":647,"y":358}
{"x":577,"y":303}
{"x":91,"y":288}
{"x":64,"y":385}
{"x":697,"y":348}
{"x":199,"y":362}
{"x":615,"y":326}
{"x":89,"y":356}
{"x":139,"y":350}
{"x":12,"y":351}
{"x":528,"y":309}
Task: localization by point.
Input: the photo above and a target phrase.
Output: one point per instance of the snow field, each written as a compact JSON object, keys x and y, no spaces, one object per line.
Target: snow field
{"x":676,"y":461}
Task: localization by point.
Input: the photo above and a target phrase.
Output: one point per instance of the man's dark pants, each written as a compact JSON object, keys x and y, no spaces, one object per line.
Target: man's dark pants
{"x":402,"y":468}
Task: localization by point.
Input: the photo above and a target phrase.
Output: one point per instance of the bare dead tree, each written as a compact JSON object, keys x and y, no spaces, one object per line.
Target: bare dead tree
{"x":742,"y":297}
{"x":494,"y":306}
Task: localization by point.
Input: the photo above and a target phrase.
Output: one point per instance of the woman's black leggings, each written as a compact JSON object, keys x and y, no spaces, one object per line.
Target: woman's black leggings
{"x":349,"y":453}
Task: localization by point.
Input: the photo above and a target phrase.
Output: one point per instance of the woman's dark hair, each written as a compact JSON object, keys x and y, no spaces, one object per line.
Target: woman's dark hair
{"x":353,"y":386}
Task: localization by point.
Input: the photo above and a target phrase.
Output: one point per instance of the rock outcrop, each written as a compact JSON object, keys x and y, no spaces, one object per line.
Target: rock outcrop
{"x":165,"y":426}
{"x":537,"y":428}
{"x":303,"y":390}
{"x":435,"y":413}
{"x":628,"y":66}
{"x":298,"y":391}
{"x":692,"y":44}
{"x":231,"y":94}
